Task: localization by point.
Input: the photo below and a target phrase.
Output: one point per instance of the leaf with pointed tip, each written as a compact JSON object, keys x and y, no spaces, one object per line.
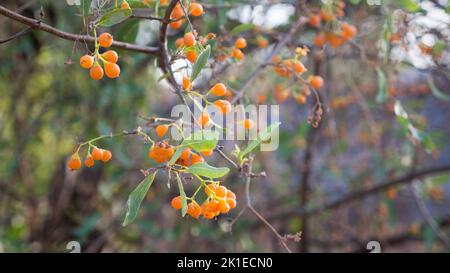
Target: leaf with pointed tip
{"x":114,"y":17}
{"x":136,"y":197}
{"x":205,"y":170}
{"x":202,"y":60}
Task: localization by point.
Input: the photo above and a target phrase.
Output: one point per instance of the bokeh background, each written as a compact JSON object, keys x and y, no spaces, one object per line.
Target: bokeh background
{"x":48,"y":104}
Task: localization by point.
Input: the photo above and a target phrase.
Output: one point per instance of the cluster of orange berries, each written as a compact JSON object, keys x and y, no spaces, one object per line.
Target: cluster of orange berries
{"x":188,"y":158}
{"x":97,"y":154}
{"x":335,"y":38}
{"x":220,"y":201}
{"x":109,"y":59}
{"x":195,"y":9}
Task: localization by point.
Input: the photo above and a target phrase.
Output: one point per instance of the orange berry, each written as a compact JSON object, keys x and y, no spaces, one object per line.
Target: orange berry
{"x":176,"y":203}
{"x":326,"y":16}
{"x":177,"y":24}
{"x":106,"y":155}
{"x":210,"y":189}
{"x":112,"y":70}
{"x":177,"y":12}
{"x":125,"y":5}
{"x":248,"y":123}
{"x":281,"y":94}
{"x":89,"y":161}
{"x":316,"y":82}
{"x":195,"y":158}
{"x":86,"y":61}
{"x":299,"y":68}
{"x":96,"y":72}
{"x":179,"y":42}
{"x":223,"y":206}
{"x":221,"y":192}
{"x":223,"y":105}
{"x":207,"y":153}
{"x":262,"y":42}
{"x":74,"y":162}
{"x":348,"y":31}
{"x":301,"y":99}
{"x":189,"y":39}
{"x":186,"y":83}
{"x":213,"y":205}
{"x":161,"y":130}
{"x":237,"y":53}
{"x":231,"y":194}
{"x":105,"y":39}
{"x":191,"y":56}
{"x":231,"y":202}
{"x":203,"y":119}
{"x":276,"y":59}
{"x":208,"y":214}
{"x":219,"y":89}
{"x":240,"y":43}
{"x":334,"y":40}
{"x":97,"y":154}
{"x":195,"y":9}
{"x":194,"y":210}
{"x":186,"y":154}
{"x":110,"y":56}
{"x":314,"y":20}
{"x":319,"y":40}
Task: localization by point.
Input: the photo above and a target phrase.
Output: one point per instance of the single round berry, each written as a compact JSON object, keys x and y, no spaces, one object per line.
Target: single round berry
{"x":221,"y":192}
{"x":231,"y":202}
{"x":110,"y":56}
{"x":316,"y":82}
{"x":223,"y":105}
{"x":189,"y":39}
{"x":248,"y":123}
{"x":223,"y":206}
{"x":112,"y":70}
{"x":96,"y":72}
{"x":89,"y":161}
{"x":195,"y":9}
{"x":105,"y":39}
{"x":186,"y":83}
{"x":219,"y":89}
{"x":161,"y":130}
{"x":86,"y":61}
{"x":240,"y":43}
{"x":176,"y":203}
{"x":97,"y":154}
{"x":125,"y":5}
{"x":74,"y":162}
{"x":203,"y":119}
{"x":195,"y":158}
{"x":314,"y":20}
{"x":106,"y":155}
{"x":231,"y":194}
{"x":191,"y":56}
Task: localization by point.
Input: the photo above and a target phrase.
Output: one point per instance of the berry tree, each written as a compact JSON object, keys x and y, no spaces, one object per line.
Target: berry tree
{"x":215,"y":69}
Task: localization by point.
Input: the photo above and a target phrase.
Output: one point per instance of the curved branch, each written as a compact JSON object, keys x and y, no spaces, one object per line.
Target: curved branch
{"x":36,"y":24}
{"x":360,"y":194}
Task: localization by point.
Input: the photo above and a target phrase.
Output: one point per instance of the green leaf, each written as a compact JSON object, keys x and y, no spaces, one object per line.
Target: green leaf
{"x":242,"y":28}
{"x":114,"y":17}
{"x":202,"y":140}
{"x":382,"y":87}
{"x":409,"y":5}
{"x":136,"y":197}
{"x":85,"y":7}
{"x":205,"y":170}
{"x":183,"y":197}
{"x":436,"y":92}
{"x":137,"y":4}
{"x":417,"y":134}
{"x":263,"y":136}
{"x":176,"y":155}
{"x":128,"y":31}
{"x":200,"y":63}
